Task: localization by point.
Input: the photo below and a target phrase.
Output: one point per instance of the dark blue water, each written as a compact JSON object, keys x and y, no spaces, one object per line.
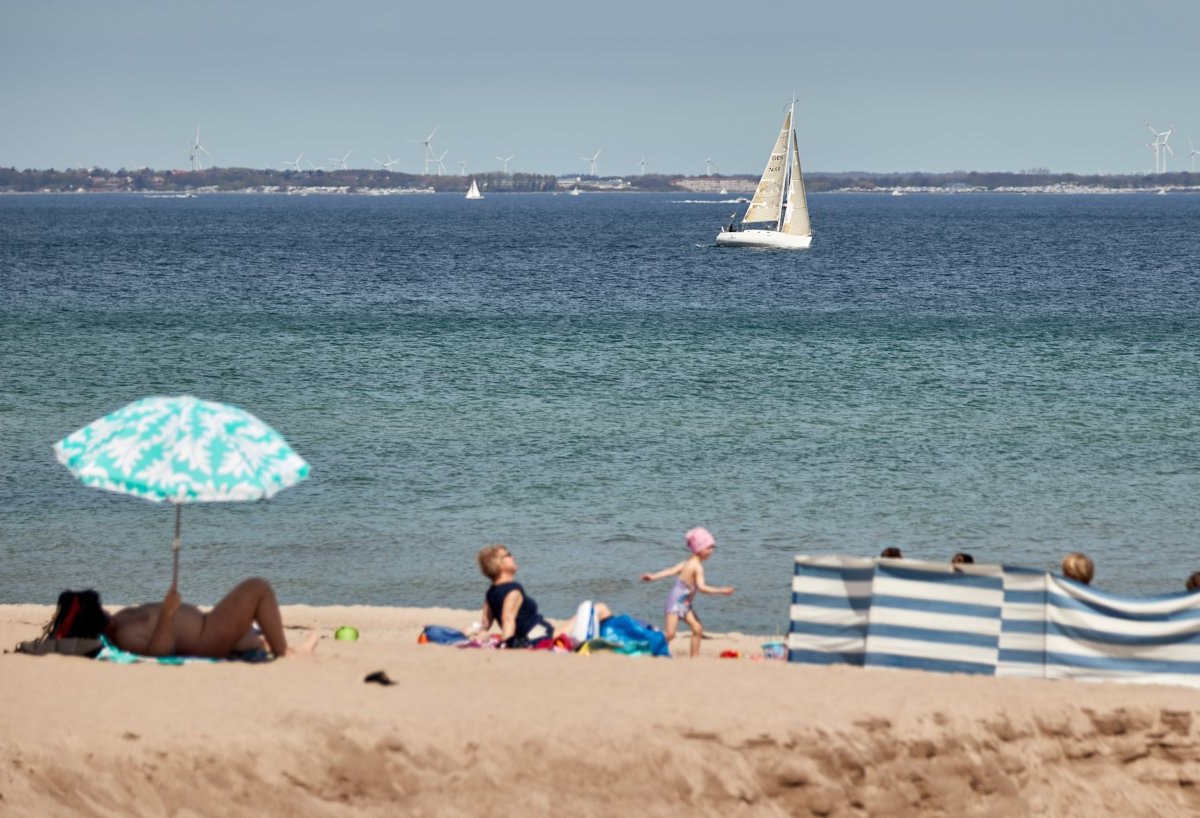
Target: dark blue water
{"x":586,"y":378}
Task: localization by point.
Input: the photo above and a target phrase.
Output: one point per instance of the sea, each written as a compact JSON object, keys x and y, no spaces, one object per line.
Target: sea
{"x":585,"y":378}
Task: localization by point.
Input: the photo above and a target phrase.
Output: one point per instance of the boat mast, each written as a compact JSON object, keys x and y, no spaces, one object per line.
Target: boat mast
{"x":787,"y":164}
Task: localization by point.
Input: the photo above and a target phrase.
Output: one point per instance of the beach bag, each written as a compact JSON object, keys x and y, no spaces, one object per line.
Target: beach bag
{"x":634,"y":636}
{"x":441,"y":635}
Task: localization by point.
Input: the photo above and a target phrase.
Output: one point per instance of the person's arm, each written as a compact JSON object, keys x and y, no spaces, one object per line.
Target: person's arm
{"x":162,"y":641}
{"x":508,"y":616}
{"x":485,"y":620}
{"x":704,"y":588}
{"x":664,"y":573}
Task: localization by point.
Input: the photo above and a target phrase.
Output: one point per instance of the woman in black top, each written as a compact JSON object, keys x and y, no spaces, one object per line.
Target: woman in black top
{"x":507,"y":603}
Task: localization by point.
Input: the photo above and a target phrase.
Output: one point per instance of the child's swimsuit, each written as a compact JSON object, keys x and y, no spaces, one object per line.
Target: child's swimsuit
{"x":679,"y":599}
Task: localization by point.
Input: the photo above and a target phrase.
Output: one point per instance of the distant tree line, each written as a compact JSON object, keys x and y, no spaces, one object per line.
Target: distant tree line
{"x":991,"y":180}
{"x":241,"y":179}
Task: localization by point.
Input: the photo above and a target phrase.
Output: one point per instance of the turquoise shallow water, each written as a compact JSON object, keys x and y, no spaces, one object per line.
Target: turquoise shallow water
{"x":586,"y":378}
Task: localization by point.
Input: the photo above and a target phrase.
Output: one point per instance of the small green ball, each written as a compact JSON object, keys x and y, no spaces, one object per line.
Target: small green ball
{"x":346,"y":634}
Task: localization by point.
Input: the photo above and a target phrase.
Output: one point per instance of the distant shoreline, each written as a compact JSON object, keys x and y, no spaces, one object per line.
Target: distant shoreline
{"x":1060,"y":190}
{"x":146,"y":181}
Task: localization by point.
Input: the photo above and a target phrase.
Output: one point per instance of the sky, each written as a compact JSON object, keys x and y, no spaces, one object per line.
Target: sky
{"x":881,"y":85}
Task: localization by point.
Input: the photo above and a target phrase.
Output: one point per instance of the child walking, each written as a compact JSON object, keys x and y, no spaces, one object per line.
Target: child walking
{"x":689,"y":578}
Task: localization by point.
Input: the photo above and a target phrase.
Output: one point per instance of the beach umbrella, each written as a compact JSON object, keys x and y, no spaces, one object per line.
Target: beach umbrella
{"x":182,"y":450}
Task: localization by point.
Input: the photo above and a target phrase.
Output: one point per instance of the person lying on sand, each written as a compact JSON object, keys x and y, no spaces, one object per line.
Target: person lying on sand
{"x":507,"y":603}
{"x":170,"y":628}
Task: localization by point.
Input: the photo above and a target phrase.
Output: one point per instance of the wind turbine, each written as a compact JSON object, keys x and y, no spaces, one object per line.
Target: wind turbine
{"x":194,"y":150}
{"x":1161,"y":148}
{"x":462,"y":168}
{"x":295,"y":163}
{"x":708,"y":166}
{"x":593,"y":168}
{"x":334,"y":161}
{"x":428,"y":143}
{"x":642,"y":164}
{"x":440,"y":166}
{"x":505,"y":159}
{"x":1193,"y":154}
{"x":1166,"y":148}
{"x":388,"y":165}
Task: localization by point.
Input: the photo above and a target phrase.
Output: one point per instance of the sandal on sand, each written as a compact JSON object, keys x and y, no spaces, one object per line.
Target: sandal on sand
{"x":379,"y":677}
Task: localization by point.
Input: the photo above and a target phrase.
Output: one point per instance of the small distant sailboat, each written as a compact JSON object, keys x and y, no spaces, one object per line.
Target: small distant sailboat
{"x":574,"y":191}
{"x":779,"y":201}
{"x":474,"y":193}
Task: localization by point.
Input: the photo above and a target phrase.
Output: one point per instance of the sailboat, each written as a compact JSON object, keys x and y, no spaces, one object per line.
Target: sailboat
{"x":779,"y":204}
{"x":474,"y":193}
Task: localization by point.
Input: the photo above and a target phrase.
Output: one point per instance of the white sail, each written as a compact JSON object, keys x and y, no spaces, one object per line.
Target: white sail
{"x":787,"y":209}
{"x":768,"y":197}
{"x":474,"y":193}
{"x":795,"y":220}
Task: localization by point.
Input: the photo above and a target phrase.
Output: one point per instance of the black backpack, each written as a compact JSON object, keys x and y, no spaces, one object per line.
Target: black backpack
{"x":75,"y":629}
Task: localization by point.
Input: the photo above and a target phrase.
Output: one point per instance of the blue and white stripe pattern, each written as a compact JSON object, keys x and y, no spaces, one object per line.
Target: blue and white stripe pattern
{"x":830,"y":600}
{"x":927,"y":616}
{"x":1096,"y":635}
{"x":987,"y":619}
{"x":1023,"y":624}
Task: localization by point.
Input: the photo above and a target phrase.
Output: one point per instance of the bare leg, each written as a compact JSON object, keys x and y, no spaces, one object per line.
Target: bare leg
{"x":693,"y":622}
{"x":251,"y":640}
{"x":670,"y":625}
{"x":252,"y":600}
{"x":601,"y":610}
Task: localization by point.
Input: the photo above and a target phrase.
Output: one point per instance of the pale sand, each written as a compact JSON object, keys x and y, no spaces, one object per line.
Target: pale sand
{"x":499,"y":733}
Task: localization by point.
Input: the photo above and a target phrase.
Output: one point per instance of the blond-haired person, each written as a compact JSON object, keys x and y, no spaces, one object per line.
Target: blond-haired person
{"x":520,"y":621}
{"x":1078,"y":567}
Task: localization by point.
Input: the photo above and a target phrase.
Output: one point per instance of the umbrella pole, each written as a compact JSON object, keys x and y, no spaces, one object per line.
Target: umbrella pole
{"x":177,"y":544}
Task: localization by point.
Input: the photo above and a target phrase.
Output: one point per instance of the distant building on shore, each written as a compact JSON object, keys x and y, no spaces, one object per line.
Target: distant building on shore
{"x":715,"y":184}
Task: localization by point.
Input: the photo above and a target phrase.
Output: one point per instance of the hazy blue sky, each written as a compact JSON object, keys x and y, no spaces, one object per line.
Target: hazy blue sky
{"x":934,"y":85}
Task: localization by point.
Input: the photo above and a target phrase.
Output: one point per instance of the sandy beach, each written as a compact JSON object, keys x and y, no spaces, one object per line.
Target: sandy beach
{"x":470,"y":732}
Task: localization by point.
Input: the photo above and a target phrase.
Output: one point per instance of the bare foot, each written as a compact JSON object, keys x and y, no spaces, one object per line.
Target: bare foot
{"x":310,"y":644}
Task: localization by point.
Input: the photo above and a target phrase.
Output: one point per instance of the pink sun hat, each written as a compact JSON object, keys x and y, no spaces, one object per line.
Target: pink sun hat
{"x":699,"y":540}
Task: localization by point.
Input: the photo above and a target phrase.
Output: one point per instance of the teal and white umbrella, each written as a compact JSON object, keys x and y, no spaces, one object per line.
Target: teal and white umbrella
{"x":182,"y":450}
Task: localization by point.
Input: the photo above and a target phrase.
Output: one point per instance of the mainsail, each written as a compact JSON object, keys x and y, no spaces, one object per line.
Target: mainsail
{"x":795,"y":220}
{"x":765,"y":205}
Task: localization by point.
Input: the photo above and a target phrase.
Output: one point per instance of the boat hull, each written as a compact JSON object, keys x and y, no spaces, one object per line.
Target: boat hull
{"x":763,"y":238}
